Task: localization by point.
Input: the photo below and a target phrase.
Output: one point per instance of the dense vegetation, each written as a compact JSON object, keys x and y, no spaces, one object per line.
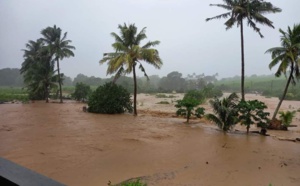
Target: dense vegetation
{"x":230,"y":110}
{"x":13,"y":94}
{"x":267,"y":85}
{"x":11,"y":77}
{"x":110,"y":99}
{"x":38,"y":68}
{"x":82,"y":92}
{"x":186,"y":107}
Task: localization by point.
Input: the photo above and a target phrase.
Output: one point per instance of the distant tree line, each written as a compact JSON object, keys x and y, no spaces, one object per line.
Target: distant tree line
{"x":266,"y":85}
{"x":11,"y":77}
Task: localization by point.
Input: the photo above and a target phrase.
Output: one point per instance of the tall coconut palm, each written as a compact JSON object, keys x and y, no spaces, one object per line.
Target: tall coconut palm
{"x":128,"y":54}
{"x":287,"y":56}
{"x":250,"y":10}
{"x":59,"y":47}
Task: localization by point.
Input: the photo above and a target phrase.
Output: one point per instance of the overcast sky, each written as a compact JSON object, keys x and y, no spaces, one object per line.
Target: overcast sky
{"x":189,"y":44}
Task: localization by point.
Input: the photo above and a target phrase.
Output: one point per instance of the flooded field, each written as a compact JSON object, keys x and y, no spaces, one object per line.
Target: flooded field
{"x":78,"y":148}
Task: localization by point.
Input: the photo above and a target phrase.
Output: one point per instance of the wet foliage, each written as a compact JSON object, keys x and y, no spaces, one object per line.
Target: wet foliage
{"x":110,"y":99}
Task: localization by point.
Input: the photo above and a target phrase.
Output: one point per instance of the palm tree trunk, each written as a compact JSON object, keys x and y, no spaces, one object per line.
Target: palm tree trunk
{"x":284,"y":93}
{"x":188,"y":116}
{"x":59,"y":81}
{"x":243,"y":63}
{"x":47,"y":94}
{"x":135,"y":91}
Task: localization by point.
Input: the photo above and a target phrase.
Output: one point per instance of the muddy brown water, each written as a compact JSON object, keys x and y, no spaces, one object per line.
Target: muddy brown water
{"x":77,"y":148}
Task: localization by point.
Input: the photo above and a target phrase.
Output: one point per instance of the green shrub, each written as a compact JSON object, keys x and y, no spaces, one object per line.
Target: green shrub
{"x":287,"y":117}
{"x":133,"y":183}
{"x":81,"y":91}
{"x":164,"y":96}
{"x":225,"y":111}
{"x":252,"y":111}
{"x":186,"y":108}
{"x":195,"y":94}
{"x":129,"y":183}
{"x":161,"y":96}
{"x":110,"y":99}
{"x":210,"y":91}
{"x":199,"y":112}
{"x":163,"y":102}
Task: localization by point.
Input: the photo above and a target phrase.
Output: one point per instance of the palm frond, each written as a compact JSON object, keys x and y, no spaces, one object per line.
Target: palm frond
{"x":143,"y":70}
{"x":119,"y":73}
{"x":117,"y":38}
{"x":225,"y":6}
{"x":151,"y":44}
{"x":262,"y":20}
{"x":225,"y":15}
{"x":214,"y":119}
{"x":230,"y":22}
{"x":276,"y":60}
{"x":140,"y":36}
{"x":255,"y":28}
{"x":266,"y":7}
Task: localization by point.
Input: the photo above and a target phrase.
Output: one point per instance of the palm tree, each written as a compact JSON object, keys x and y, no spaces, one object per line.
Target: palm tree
{"x":287,"y":56}
{"x":128,"y":54}
{"x":31,"y":54}
{"x":38,"y":70}
{"x":250,"y":10}
{"x":226,"y":112}
{"x":59,"y":47}
{"x":287,"y":117}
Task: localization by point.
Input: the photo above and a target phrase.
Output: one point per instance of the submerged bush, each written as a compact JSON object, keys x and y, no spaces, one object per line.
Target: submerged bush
{"x":81,"y":91}
{"x":225,"y":111}
{"x":287,"y":117}
{"x":186,"y":107}
{"x":252,"y":111}
{"x":129,"y":183}
{"x":196,"y":95}
{"x":211,"y":91}
{"x":163,"y":102}
{"x":110,"y":99}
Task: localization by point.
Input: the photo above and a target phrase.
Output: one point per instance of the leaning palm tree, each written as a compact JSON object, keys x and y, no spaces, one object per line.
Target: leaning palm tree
{"x":128,"y":54}
{"x":59,"y":47}
{"x":38,"y":70}
{"x":250,"y":10}
{"x":287,"y":56}
{"x":31,"y":54}
{"x":226,"y":111}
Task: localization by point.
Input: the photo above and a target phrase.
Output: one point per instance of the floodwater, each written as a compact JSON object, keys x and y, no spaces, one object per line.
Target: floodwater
{"x":77,"y":148}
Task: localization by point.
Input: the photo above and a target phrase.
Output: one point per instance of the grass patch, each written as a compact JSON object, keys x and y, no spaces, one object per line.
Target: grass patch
{"x":130,"y":183}
{"x":163,"y":102}
{"x":164,"y":96}
{"x":13,"y":93}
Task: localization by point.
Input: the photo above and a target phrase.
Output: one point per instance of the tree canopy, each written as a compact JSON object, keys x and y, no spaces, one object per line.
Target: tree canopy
{"x":128,"y":53}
